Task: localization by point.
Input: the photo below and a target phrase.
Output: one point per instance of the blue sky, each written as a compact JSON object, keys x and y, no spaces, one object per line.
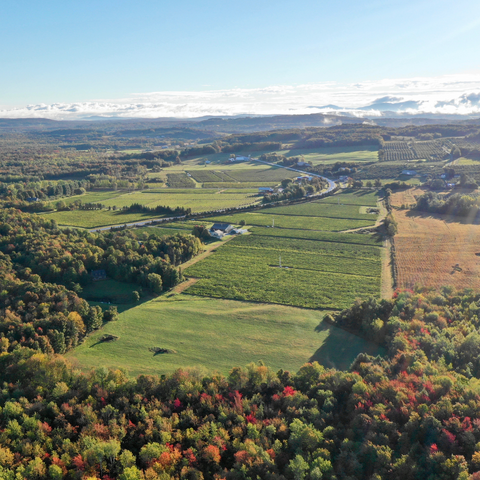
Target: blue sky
{"x":78,"y":51}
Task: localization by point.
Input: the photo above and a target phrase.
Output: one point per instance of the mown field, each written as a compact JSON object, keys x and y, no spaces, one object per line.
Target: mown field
{"x":198,"y":200}
{"x":335,"y":154}
{"x":212,"y":334}
{"x":296,"y":222}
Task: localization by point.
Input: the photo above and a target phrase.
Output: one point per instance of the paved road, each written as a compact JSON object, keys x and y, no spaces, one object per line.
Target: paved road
{"x":143,"y":223}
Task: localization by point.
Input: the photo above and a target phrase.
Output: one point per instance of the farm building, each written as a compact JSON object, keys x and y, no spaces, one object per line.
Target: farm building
{"x":302,"y":164}
{"x":98,"y":275}
{"x":409,"y":172}
{"x":303,"y":179}
{"x":240,"y":158}
{"x":33,"y":199}
{"x":265,"y":190}
{"x":221,"y":227}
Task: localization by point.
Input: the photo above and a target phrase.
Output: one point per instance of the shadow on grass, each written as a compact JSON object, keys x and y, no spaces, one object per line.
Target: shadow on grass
{"x":340,"y":348}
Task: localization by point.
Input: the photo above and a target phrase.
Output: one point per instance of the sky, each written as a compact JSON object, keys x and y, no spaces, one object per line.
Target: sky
{"x":63,"y":59}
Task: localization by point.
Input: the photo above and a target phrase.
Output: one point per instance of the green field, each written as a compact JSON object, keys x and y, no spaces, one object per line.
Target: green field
{"x":317,"y":209}
{"x":296,"y":222}
{"x":319,"y":275}
{"x":218,"y":335}
{"x":199,"y":200}
{"x":353,"y":197}
{"x":332,"y":237}
{"x":96,"y":218}
{"x":335,"y":154}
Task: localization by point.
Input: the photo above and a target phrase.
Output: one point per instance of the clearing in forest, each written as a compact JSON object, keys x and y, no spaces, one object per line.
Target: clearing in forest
{"x":435,"y":250}
{"x":215,"y":334}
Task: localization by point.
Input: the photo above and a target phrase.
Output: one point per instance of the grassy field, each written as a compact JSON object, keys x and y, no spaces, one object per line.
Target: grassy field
{"x":212,"y":334}
{"x":353,"y":197}
{"x":97,"y":218}
{"x":199,"y":200}
{"x":296,"y":222}
{"x":335,"y":154}
{"x":317,"y":209}
{"x":332,"y":237}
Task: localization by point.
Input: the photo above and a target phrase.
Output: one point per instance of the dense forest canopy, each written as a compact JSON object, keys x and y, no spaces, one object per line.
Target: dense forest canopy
{"x":413,"y":414}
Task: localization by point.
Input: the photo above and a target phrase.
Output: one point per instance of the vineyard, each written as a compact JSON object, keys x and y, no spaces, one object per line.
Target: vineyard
{"x":180,"y":180}
{"x":320,"y":268}
{"x":434,"y":250}
{"x":405,"y":151}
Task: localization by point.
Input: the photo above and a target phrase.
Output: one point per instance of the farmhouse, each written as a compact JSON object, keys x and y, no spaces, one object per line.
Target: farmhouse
{"x":302,"y":164}
{"x":240,"y":158}
{"x":221,"y":227}
{"x":303,"y":179}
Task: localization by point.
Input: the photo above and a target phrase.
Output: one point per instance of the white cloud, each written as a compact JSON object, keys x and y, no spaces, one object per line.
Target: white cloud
{"x":449,"y":94}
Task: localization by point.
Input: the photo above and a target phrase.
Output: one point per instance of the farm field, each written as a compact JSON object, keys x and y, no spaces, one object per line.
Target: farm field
{"x":326,"y":277}
{"x":296,"y":222}
{"x":198,"y":200}
{"x":332,"y":237}
{"x":326,"y":270}
{"x":368,"y":153}
{"x":429,"y":246}
{"x":334,"y":154}
{"x":238,"y":333}
{"x":321,"y":209}
{"x":353,"y":197}
{"x":96,"y":218}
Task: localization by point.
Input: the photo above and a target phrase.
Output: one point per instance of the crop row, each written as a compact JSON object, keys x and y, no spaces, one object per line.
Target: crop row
{"x":317,"y":209}
{"x":180,"y":180}
{"x":313,"y":281}
{"x":300,"y":222}
{"x":282,"y":244}
{"x":330,"y":237}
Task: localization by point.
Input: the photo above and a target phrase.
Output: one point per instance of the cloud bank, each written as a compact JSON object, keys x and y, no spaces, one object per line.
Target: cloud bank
{"x":452,"y":94}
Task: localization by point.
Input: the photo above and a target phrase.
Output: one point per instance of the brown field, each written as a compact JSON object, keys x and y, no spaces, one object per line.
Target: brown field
{"x":435,"y":250}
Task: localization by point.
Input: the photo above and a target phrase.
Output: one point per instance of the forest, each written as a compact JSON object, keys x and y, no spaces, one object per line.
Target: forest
{"x":410,"y":415}
{"x":44,"y":269}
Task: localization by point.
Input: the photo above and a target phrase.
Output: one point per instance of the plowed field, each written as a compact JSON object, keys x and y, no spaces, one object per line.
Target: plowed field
{"x":435,"y":250}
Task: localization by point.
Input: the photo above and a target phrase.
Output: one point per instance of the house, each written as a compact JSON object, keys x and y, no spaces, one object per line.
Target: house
{"x":33,"y":199}
{"x":207,"y":162}
{"x":240,"y":158}
{"x":221,"y":227}
{"x":303,"y":179}
{"x":343,"y":178}
{"x":98,"y":275}
{"x":302,"y":164}
{"x":409,"y":172}
{"x":217,"y":234}
{"x":265,"y":190}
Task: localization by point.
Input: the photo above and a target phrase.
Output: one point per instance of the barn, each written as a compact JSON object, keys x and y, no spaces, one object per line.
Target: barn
{"x":221,"y":227}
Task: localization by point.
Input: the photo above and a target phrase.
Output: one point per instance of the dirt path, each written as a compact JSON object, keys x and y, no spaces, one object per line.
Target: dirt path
{"x":181,"y":287}
{"x":209,"y":249}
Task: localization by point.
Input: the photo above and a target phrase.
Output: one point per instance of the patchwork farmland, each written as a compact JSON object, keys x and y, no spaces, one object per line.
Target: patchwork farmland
{"x":300,"y":262}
